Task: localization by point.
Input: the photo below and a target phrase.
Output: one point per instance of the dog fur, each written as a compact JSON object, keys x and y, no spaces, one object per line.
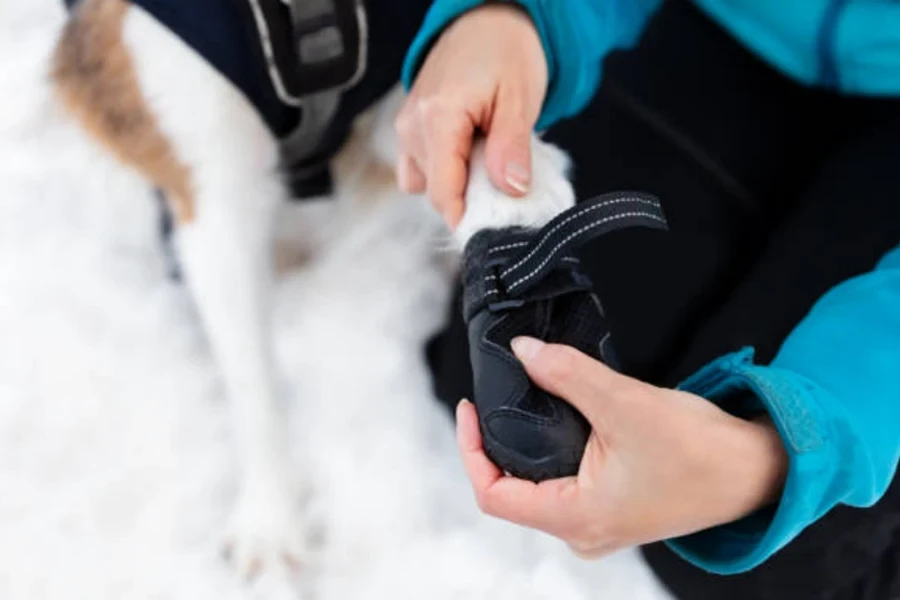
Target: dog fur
{"x":152,"y":102}
{"x":96,"y":81}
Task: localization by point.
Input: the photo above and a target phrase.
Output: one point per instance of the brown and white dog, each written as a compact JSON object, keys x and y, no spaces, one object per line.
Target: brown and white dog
{"x":147,"y":98}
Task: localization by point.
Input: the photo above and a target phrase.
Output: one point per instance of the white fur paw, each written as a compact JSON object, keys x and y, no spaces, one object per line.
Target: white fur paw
{"x":266,"y":531}
{"x":488,"y":208}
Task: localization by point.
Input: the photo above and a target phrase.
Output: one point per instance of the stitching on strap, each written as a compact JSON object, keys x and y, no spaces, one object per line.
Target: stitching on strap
{"x":569,"y":219}
{"x":573,"y":235}
{"x":507,"y":247}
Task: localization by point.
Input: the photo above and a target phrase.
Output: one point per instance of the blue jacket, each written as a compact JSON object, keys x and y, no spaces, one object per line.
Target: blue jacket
{"x":833,"y":390}
{"x":852,"y":46}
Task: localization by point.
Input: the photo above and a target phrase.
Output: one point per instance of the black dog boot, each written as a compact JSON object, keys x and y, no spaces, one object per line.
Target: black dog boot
{"x":527,"y":282}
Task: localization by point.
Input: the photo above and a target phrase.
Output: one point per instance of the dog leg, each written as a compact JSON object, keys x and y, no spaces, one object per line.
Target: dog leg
{"x":226,"y":255}
{"x":162,"y":110}
{"x":488,"y":208}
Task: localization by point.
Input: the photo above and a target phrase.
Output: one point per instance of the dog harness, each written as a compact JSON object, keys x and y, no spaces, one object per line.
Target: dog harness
{"x":302,"y":64}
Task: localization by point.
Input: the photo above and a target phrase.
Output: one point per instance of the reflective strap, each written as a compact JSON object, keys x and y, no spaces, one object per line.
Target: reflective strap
{"x":552,"y":245}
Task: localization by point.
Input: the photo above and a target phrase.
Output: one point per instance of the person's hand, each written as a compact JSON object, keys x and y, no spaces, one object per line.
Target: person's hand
{"x":659,"y":464}
{"x":487,"y":72}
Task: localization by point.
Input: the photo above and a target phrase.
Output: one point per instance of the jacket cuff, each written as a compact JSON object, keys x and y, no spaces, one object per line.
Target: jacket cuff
{"x":799,"y":410}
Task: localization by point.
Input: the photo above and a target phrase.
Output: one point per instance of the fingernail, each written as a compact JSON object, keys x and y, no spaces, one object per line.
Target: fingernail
{"x":518,"y":177}
{"x":526,"y":348}
{"x":463,"y":402}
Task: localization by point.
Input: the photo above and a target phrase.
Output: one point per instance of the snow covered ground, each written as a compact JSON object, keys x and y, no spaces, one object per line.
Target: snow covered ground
{"x":115,"y":462}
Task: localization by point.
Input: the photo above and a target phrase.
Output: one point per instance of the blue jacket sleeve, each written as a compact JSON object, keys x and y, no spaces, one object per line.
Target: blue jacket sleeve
{"x":577,"y":35}
{"x":833,"y":392}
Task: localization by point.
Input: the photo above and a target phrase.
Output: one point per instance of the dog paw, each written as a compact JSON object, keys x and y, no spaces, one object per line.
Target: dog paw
{"x":266,"y":531}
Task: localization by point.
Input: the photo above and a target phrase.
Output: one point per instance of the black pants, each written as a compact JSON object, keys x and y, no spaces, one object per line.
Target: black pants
{"x":775,"y":193}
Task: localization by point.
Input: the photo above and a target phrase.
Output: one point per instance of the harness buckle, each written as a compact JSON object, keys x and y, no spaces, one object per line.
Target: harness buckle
{"x":329,"y":45}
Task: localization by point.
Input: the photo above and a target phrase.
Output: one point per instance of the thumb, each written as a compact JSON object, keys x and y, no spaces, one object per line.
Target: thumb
{"x":508,"y":150}
{"x":585,"y":383}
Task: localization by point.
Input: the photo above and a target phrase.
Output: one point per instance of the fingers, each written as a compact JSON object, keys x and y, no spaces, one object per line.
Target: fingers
{"x":554,"y":506}
{"x":409,"y":176}
{"x":482,"y":472}
{"x":436,"y":137}
{"x":562,"y":371}
{"x":508,"y":151}
{"x":449,"y":145}
{"x":588,"y":552}
{"x":584,"y":382}
{"x":547,"y":506}
{"x":436,"y":141}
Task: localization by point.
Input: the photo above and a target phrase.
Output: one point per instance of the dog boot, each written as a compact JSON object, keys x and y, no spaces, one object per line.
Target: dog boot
{"x":527,"y":282}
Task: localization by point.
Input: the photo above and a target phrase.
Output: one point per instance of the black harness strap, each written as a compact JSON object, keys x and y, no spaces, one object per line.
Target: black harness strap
{"x":330,"y":45}
{"x":292,"y":59}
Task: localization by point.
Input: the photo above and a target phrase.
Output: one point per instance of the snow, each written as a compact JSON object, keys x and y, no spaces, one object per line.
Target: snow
{"x":116,"y":471}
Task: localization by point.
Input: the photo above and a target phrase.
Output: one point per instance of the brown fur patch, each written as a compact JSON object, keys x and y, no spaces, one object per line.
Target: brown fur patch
{"x":289,"y":255}
{"x":356,"y":162}
{"x":380,"y":176}
{"x":95,"y":79}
